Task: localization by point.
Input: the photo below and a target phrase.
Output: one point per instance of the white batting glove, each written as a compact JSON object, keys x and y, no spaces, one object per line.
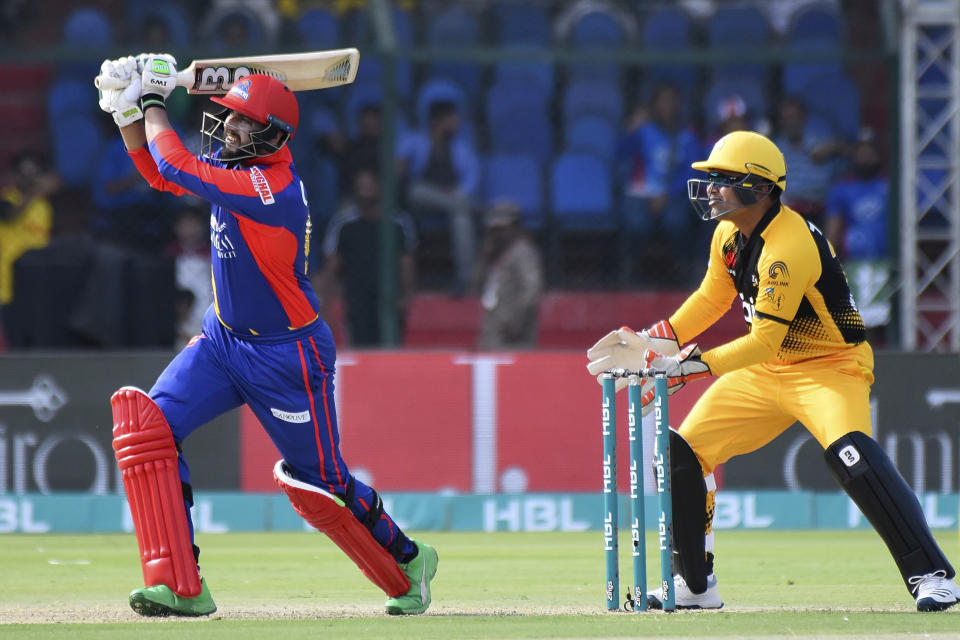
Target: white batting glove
{"x":159,"y":78}
{"x":122,"y":104}
{"x":626,"y":348}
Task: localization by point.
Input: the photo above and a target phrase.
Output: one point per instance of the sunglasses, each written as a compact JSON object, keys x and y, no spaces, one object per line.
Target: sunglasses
{"x":724,"y":180}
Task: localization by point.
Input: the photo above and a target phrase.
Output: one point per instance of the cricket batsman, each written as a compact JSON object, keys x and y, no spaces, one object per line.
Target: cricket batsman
{"x":805,"y":358}
{"x":263,"y":344}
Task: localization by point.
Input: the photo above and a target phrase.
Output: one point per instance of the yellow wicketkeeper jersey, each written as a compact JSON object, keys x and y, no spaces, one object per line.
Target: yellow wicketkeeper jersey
{"x":796,"y":300}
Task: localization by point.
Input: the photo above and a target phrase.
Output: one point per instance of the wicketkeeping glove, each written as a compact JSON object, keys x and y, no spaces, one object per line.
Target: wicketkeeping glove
{"x":680,"y":369}
{"x":159,"y":78}
{"x":626,"y":348}
{"x":122,"y":104}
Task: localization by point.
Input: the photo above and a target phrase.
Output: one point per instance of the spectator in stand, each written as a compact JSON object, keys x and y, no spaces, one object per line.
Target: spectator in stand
{"x":813,"y":155}
{"x":191,"y":252}
{"x":509,"y":278}
{"x":442,"y":171}
{"x":857,"y":225}
{"x":654,"y":156}
{"x":26,"y":217}
{"x":363,"y":151}
{"x":351,"y":249}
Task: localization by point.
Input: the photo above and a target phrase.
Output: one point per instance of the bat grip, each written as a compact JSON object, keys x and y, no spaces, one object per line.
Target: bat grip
{"x":109,"y":82}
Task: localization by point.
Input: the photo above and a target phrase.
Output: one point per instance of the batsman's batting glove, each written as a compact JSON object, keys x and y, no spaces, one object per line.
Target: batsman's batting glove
{"x":680,"y":369}
{"x":626,"y":348}
{"x":159,"y":79}
{"x":122,"y":104}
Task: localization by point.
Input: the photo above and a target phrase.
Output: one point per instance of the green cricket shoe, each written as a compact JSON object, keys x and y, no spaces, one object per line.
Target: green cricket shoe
{"x":160,"y":601}
{"x":420,"y":571}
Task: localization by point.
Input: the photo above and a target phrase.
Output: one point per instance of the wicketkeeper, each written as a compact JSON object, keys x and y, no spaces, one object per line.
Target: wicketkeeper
{"x":263,"y":344}
{"x":805,"y":358}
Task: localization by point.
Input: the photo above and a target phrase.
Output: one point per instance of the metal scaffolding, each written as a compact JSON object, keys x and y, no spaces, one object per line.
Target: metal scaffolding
{"x":930,"y":177}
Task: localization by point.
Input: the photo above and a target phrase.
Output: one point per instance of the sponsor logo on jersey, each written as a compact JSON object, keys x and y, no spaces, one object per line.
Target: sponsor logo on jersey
{"x":261,"y":186}
{"x":778,"y":269}
{"x":287,"y":416}
{"x":220,"y":240}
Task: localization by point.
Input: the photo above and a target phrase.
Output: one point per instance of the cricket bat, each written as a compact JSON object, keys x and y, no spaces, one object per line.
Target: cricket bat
{"x":299,"y":71}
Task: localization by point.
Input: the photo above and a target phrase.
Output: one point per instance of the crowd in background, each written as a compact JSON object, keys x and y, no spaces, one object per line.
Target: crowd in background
{"x":514,"y":177}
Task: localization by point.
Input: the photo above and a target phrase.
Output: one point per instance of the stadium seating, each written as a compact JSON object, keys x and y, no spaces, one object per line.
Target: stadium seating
{"x":581,"y":187}
{"x":87,"y":28}
{"x":595,"y":97}
{"x":77,"y":143}
{"x":455,"y":27}
{"x":522,"y":23}
{"x":591,"y":134}
{"x":667,"y":29}
{"x":842,"y":110}
{"x":517,"y":177}
{"x":518,"y":120}
{"x":811,"y":32}
{"x":319,"y":29}
{"x":737,"y":29}
{"x":179,"y":30}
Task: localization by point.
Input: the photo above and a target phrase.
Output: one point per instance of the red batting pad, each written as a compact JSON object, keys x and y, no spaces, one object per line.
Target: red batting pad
{"x":147,"y":457}
{"x":328,"y":515}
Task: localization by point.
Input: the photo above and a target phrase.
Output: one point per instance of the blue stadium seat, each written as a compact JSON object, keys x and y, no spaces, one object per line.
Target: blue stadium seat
{"x":536,"y":76}
{"x":77,"y":145}
{"x":597,"y":30}
{"x":370,"y":69}
{"x":734,"y":29}
{"x":525,"y":130}
{"x":842,"y":109}
{"x":87,"y":28}
{"x":811,"y":31}
{"x":517,"y":177}
{"x":595,"y":97}
{"x":581,"y":192}
{"x":522,"y":23}
{"x":68,"y":96}
{"x":591,"y":134}
{"x":816,"y":22}
{"x":455,"y":27}
{"x":505,"y":97}
{"x":724,"y":88}
{"x":179,"y":31}
{"x":667,"y":28}
{"x":319,"y":29}
{"x":359,"y":32}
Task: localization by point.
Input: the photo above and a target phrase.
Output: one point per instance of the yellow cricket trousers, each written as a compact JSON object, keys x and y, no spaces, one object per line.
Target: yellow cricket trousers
{"x":747,"y":408}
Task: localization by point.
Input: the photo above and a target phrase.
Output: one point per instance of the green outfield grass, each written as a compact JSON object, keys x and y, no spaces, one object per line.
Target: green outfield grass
{"x":502,"y":585}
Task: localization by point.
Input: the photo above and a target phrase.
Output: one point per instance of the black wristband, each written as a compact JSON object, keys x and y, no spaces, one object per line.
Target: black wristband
{"x":148,"y":100}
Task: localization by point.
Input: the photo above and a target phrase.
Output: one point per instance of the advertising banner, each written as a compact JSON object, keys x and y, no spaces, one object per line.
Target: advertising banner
{"x":56,"y":427}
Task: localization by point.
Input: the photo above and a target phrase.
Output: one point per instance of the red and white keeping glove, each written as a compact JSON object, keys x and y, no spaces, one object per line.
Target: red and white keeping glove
{"x":684,"y":367}
{"x":625,"y":348}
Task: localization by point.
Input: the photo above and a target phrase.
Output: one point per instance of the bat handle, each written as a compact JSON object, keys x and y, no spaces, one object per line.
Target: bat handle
{"x":108,"y":82}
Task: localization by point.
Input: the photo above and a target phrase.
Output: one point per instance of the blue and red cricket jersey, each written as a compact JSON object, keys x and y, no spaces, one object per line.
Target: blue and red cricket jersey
{"x":263,"y":342}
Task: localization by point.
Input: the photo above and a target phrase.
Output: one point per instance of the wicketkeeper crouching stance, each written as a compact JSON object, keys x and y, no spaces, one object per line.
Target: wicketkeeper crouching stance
{"x":803,"y":359}
{"x":263,"y":344}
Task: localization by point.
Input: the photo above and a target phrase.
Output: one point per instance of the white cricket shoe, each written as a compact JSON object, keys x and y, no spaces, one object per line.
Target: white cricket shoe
{"x":686,"y":599}
{"x":935,"y":591}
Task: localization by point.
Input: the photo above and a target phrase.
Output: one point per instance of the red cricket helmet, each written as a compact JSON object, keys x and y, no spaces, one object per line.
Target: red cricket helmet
{"x":264,"y":99}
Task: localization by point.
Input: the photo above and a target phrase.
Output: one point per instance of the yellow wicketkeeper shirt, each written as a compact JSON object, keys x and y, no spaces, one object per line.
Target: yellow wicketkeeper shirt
{"x":795,"y":296}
